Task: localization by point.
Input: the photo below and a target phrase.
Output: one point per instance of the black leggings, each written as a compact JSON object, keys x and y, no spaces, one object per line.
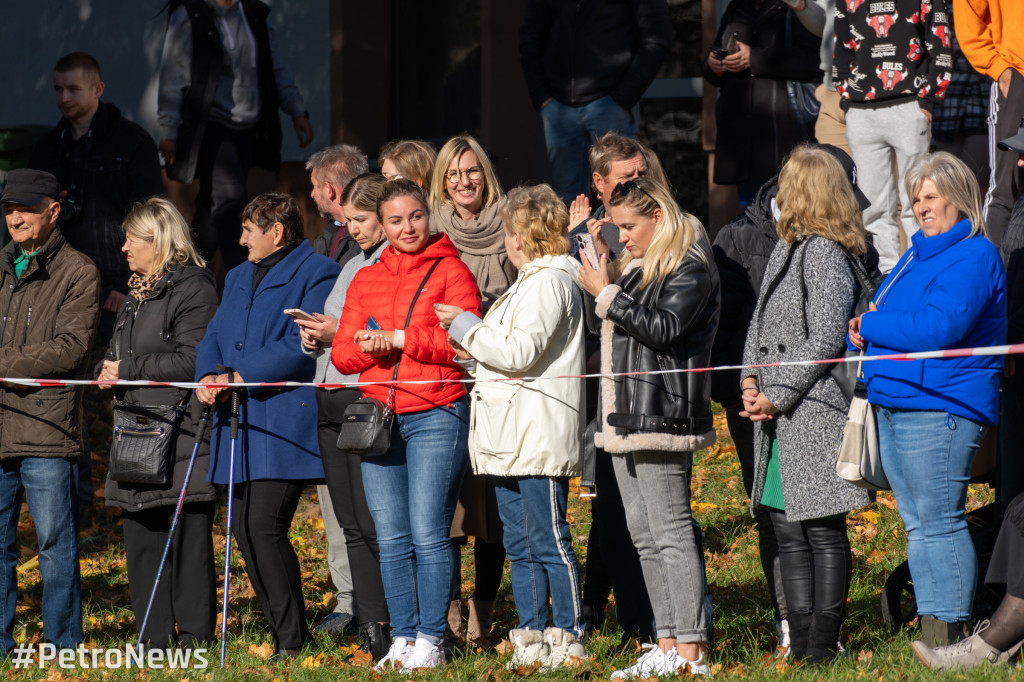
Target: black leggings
{"x":815,"y":562}
{"x":345,"y":481}
{"x":261,"y":517}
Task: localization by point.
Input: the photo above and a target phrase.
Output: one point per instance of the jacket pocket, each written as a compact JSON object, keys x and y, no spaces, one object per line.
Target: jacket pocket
{"x":493,"y":424}
{"x":41,"y":418}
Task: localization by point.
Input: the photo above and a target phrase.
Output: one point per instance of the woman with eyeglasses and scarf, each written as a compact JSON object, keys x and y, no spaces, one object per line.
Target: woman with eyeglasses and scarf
{"x":658,"y":304}
{"x":466,"y":203}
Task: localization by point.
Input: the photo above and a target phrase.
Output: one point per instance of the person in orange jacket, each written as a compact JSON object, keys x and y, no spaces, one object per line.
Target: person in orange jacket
{"x":991,"y":36}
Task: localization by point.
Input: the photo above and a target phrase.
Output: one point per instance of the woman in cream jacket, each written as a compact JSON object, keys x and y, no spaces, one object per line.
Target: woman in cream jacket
{"x":526,"y":430}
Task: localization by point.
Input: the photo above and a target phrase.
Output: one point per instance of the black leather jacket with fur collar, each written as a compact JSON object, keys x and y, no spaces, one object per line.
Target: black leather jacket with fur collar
{"x":667,"y":325}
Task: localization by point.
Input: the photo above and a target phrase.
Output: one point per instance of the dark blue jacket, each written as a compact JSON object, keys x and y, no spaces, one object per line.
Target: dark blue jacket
{"x":951,"y":294}
{"x":277,"y":436}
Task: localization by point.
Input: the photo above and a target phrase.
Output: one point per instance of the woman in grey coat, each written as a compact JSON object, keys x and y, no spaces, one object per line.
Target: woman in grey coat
{"x":799,"y":411}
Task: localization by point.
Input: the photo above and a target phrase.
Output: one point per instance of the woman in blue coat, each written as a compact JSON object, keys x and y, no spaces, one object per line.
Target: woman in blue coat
{"x":277,"y":454}
{"x":947,"y":291}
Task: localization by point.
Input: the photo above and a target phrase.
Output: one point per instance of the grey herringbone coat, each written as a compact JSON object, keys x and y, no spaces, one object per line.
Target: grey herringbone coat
{"x":802,"y":313}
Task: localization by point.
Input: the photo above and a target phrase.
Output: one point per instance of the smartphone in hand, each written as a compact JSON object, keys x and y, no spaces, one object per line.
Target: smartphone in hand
{"x":297,"y":314}
{"x":585,"y":244}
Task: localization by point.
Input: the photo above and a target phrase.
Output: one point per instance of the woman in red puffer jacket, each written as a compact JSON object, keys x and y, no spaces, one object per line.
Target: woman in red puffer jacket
{"x":412,"y":489}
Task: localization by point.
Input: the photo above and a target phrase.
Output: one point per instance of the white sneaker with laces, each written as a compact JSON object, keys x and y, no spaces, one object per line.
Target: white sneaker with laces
{"x":654,"y":663}
{"x":396,"y":656}
{"x":561,"y":646}
{"x":698,"y":668}
{"x":528,"y":648}
{"x":423,"y":655}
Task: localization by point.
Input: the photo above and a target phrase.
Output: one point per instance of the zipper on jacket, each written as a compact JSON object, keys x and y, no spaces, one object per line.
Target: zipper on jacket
{"x":7,"y":311}
{"x":28,"y":319}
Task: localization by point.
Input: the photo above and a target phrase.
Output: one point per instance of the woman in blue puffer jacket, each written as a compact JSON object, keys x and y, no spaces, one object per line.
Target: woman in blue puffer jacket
{"x":947,"y":291}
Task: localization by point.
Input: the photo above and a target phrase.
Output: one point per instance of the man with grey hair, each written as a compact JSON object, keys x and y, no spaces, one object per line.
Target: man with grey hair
{"x":330,"y":170}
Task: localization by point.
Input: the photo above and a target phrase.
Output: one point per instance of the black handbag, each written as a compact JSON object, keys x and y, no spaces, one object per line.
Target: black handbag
{"x":366,"y":423}
{"x":142,"y":450}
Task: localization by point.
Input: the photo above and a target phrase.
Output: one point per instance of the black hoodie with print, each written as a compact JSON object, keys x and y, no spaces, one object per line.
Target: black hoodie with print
{"x":891,"y":51}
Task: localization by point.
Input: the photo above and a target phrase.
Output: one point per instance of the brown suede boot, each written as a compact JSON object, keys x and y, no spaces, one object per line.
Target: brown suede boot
{"x":481,"y":617}
{"x":455,"y":617}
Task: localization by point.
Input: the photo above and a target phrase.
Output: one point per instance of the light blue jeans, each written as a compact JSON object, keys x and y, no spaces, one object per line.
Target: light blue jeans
{"x":539,"y":546}
{"x":411,"y":492}
{"x":569,"y":132}
{"x":50,"y":485}
{"x":927,"y":458}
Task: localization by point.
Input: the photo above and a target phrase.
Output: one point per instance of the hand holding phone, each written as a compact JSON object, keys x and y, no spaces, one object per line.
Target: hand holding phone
{"x":298,"y":314}
{"x":585,"y":244}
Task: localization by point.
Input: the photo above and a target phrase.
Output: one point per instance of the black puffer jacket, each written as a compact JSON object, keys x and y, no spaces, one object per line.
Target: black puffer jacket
{"x":667,"y":325}
{"x":742,"y":249}
{"x":577,"y":51}
{"x":155,"y":340}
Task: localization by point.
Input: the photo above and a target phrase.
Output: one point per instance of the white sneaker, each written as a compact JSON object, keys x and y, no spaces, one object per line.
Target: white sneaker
{"x":698,"y":668}
{"x":396,"y":656}
{"x":561,"y":646}
{"x":423,"y":655}
{"x":529,"y":648}
{"x":655,"y":663}
{"x":782,"y":634}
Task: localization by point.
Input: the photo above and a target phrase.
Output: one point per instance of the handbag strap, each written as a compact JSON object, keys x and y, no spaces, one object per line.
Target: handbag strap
{"x":408,"y":318}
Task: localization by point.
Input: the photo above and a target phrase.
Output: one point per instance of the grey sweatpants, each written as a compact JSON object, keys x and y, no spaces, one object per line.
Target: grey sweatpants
{"x":885,"y":142}
{"x":655,"y":489}
{"x":337,"y":553}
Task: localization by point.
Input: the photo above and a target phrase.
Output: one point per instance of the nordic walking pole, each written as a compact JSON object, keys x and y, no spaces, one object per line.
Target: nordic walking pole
{"x":204,"y":420}
{"x":231,"y":496}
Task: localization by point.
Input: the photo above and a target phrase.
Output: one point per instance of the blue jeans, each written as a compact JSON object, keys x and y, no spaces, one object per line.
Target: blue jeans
{"x":51,"y":487}
{"x":569,"y":132}
{"x":927,"y":458}
{"x":411,"y":492}
{"x":539,"y":547}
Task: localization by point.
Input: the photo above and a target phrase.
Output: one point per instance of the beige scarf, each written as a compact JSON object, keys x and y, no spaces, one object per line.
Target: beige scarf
{"x":481,"y":246}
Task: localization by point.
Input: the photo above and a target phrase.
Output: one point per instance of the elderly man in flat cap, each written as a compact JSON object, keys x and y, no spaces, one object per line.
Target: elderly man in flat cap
{"x":50,"y":301}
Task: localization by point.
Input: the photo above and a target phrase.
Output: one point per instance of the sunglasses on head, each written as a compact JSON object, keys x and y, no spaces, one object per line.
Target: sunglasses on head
{"x":624,"y":188}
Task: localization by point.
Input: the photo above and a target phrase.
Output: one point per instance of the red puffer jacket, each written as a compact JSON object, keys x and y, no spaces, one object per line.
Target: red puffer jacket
{"x":385,"y":291}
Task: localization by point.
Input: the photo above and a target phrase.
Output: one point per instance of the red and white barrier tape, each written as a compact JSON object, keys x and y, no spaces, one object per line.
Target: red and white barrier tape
{"x":1013,"y":349}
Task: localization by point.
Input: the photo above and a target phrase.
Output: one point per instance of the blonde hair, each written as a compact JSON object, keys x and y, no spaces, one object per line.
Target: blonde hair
{"x":816,"y":198}
{"x":540,"y":218}
{"x":954,"y":182}
{"x":414,"y":160}
{"x":157,"y":221}
{"x":454,"y":149}
{"x":678,"y":234}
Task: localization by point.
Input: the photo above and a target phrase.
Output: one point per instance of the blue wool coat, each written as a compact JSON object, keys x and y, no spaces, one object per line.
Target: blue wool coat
{"x":277,"y":435}
{"x":951,"y":294}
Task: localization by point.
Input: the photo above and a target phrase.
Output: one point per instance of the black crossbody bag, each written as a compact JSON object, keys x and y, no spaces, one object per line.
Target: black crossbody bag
{"x":366,"y":422}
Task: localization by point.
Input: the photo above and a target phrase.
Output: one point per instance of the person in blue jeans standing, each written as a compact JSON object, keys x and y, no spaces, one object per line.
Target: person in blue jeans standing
{"x":526,"y":432}
{"x":947,"y":291}
{"x":586,"y":66}
{"x":51,"y":295}
{"x":411,"y":489}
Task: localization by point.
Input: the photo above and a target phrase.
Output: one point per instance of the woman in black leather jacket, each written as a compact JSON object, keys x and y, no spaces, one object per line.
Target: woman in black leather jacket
{"x":660,"y":314}
{"x":172,"y":298}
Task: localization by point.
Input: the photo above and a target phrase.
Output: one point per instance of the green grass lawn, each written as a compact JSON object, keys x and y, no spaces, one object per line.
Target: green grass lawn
{"x":744,"y":627}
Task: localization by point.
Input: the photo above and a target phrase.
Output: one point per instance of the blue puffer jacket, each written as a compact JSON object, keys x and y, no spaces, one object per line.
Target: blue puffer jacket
{"x":949,"y":292}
